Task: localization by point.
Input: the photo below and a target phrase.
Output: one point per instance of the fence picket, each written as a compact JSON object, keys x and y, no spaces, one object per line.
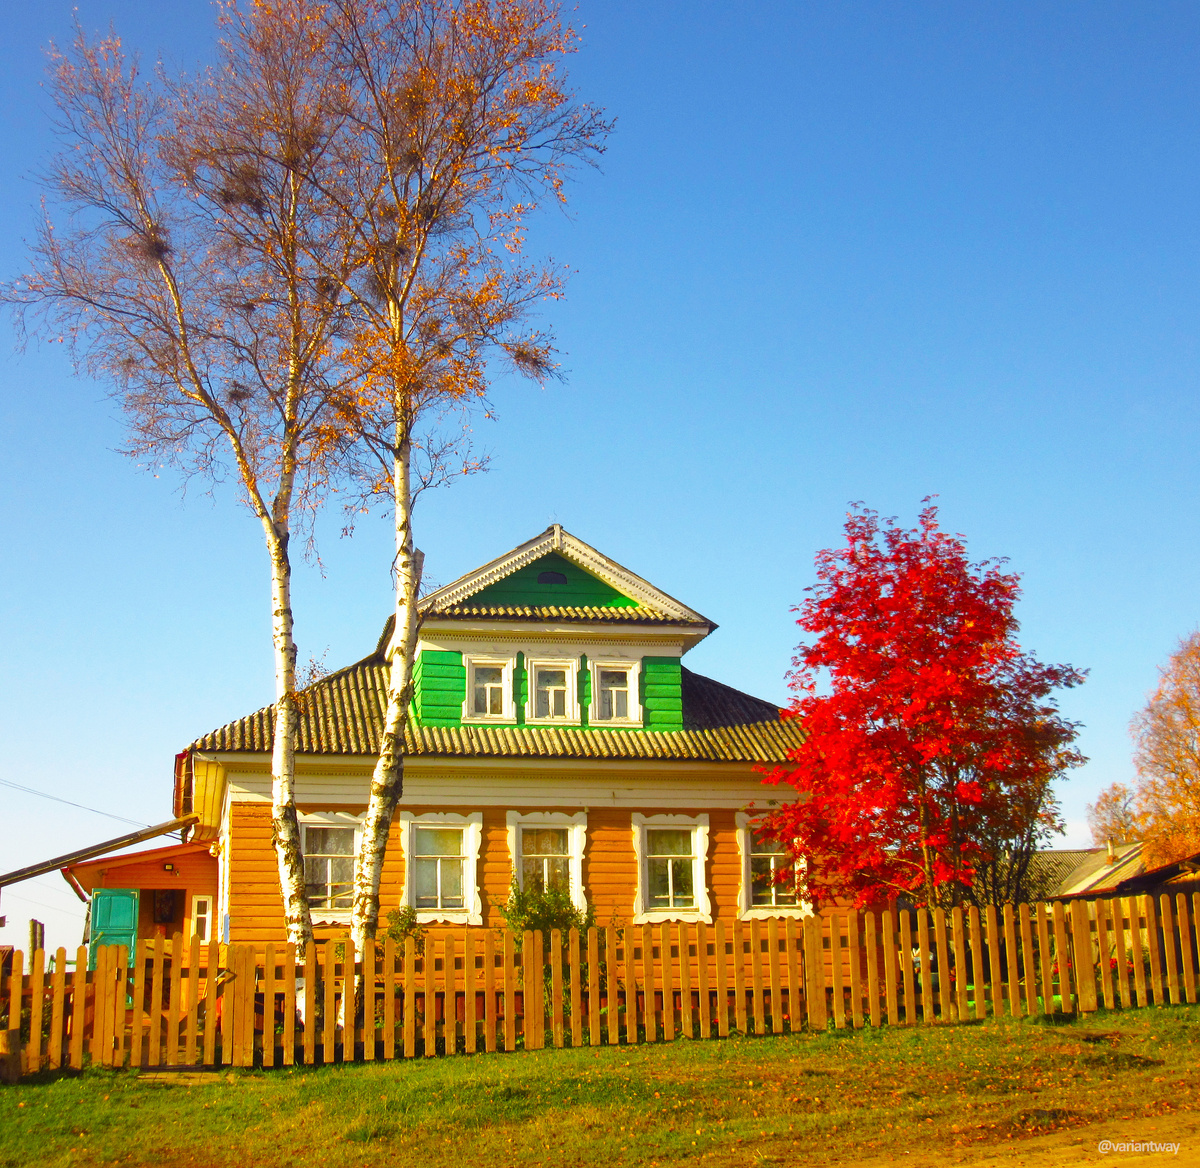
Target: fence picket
{"x":1167,"y":916}
{"x":593,"y":986}
{"x":1085,"y":968}
{"x":174,"y":989}
{"x":944,"y":1004}
{"x":739,"y":977}
{"x":539,"y":993}
{"x":556,"y":988}
{"x":78,"y":1007}
{"x":1062,"y":952}
{"x":1156,"y":971}
{"x":978,"y":962}
{"x":489,"y":991}
{"x":1013,"y":969}
{"x":687,"y":1020}
{"x":1104,"y":948}
{"x":668,"y":983}
{"x":429,"y":998}
{"x":470,"y":1003}
{"x":722,"y":983}
{"x":37,"y":1005}
{"x":269,"y":991}
{"x":773,"y":976}
{"x":1045,"y":959}
{"x":1028,"y":963}
{"x":58,"y":986}
{"x":289,"y":1004}
{"x":450,"y":996}
{"x":510,"y":1003}
{"x":211,"y":971}
{"x":1136,"y":949}
{"x":410,"y":998}
{"x":995,"y":973}
{"x":1186,"y":935}
{"x":909,"y":1012}
{"x":871,"y":940}
{"x":613,"y":1017}
{"x":389,"y":998}
{"x":192,"y":1012}
{"x":16,"y":981}
{"x":795,"y":995}
{"x":649,"y":989}
{"x":575,"y":985}
{"x":310,"y":1003}
{"x":814,"y":971}
{"x":924,"y":967}
{"x":835,"y":963}
{"x":702,"y":980}
{"x":633,"y":1016}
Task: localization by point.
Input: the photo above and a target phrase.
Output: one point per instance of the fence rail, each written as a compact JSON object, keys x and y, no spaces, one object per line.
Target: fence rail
{"x":477,"y":990}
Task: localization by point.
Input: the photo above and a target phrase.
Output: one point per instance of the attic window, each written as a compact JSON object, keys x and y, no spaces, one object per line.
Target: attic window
{"x":551,"y":578}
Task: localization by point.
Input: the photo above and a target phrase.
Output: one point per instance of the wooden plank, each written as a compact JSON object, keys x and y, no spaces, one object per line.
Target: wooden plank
{"x":120,"y":1011}
{"x":687,"y":1019}
{"x":906,"y":970}
{"x":834,"y":926}
{"x":557,"y":1029}
{"x":510,"y":997}
{"x":995,"y":945}
{"x":101,"y":1010}
{"x":613,"y":1015}
{"x":289,"y":1004}
{"x":450,"y":996}
{"x":1084,"y":964}
{"x":1156,"y":969}
{"x":16,"y":986}
{"x":1104,"y":944}
{"x":58,"y":993}
{"x":891,"y":967}
{"x":739,"y":978}
{"x":489,"y":991}
{"x":649,"y":986}
{"x":78,"y":1007}
{"x":470,"y":1000}
{"x":1185,"y":947}
{"x":192,"y":1013}
{"x":1045,"y":958}
{"x":634,"y":1014}
{"x":668,"y":983}
{"x":925,"y":964}
{"x":174,"y":990}
{"x":213,"y":951}
{"x":231,"y":1017}
{"x":389,"y":999}
{"x":310,"y":1003}
{"x":369,"y":959}
{"x":871,"y":940}
{"x":795,"y":995}
{"x":429,"y":998}
{"x":854,"y":930}
{"x":410,"y":998}
{"x":1167,"y":915}
{"x":154,"y":974}
{"x":37,"y":1006}
{"x":722,"y":983}
{"x":1119,"y":943}
{"x":958,"y":933}
{"x":575,"y":987}
{"x":248,"y":1016}
{"x":1134,"y":937}
{"x":978,"y":961}
{"x":1062,"y":950}
{"x":349,"y":1002}
{"x":756,"y":977}
{"x":594,"y":991}
{"x":329,"y":1002}
{"x":535,"y":984}
{"x":1028,"y":961}
{"x":107,"y":1011}
{"x":137,"y":1023}
{"x":1012,"y":967}
{"x":814,"y":974}
{"x":945,"y":999}
{"x":774,"y":978}
{"x":702,"y":981}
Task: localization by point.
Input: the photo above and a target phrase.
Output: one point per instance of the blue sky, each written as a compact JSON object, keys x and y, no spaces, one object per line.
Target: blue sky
{"x":835,"y":252}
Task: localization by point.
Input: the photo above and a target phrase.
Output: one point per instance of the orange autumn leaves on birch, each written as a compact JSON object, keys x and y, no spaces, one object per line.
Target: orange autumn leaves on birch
{"x":931,"y":736}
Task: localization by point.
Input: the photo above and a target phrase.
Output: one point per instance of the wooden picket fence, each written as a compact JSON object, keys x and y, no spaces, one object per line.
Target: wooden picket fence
{"x":475,"y":990}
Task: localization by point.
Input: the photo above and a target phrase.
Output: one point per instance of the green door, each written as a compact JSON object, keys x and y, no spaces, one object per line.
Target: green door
{"x":114,"y":919}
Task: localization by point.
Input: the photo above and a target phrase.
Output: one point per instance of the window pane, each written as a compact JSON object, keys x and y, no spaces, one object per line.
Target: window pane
{"x":612,"y":677}
{"x":452,"y":883}
{"x":541,"y":706}
{"x":533,"y":874}
{"x":488,"y":674}
{"x":426,"y":883}
{"x":764,"y":845}
{"x":681,"y":873}
{"x":560,"y":872}
{"x":329,"y":841}
{"x":660,"y":888}
{"x":622,"y":703}
{"x":551,"y":677}
{"x":668,"y":842}
{"x":560,"y":702}
{"x":496,"y":700}
{"x":544,"y":841}
{"x":439,"y":841}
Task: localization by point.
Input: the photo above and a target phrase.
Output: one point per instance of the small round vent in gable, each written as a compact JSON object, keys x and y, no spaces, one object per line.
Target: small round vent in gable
{"x":551,"y":578}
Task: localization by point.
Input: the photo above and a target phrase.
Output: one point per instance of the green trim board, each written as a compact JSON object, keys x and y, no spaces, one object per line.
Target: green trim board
{"x":578,"y":588}
{"x":661,"y":686}
{"x":439,"y":687}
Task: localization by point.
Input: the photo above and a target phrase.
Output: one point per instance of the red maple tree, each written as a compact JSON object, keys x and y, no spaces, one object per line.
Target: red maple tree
{"x":932,"y":739}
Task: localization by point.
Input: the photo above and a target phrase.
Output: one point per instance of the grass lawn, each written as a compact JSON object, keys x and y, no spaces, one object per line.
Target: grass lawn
{"x":927,"y":1095}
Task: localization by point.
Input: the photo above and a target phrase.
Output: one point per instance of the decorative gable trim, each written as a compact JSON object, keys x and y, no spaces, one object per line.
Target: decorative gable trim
{"x":555,"y":539}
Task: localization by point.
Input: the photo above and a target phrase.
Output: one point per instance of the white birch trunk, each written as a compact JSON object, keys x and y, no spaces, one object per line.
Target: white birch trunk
{"x":387,"y":780}
{"x":285,"y":827}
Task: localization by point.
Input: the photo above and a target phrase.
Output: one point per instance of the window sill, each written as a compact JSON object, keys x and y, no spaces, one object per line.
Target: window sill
{"x":685,"y":915}
{"x":764,"y":912}
{"x":449,"y":916}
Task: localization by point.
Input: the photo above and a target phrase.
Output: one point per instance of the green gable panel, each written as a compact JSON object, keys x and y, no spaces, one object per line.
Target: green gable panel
{"x":439,"y":688}
{"x":581,"y":590}
{"x":662,"y":693}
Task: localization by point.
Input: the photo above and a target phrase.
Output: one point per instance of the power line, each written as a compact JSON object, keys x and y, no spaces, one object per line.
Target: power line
{"x":95,"y":811}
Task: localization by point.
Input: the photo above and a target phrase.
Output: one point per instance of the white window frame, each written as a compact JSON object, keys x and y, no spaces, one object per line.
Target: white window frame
{"x":571,"y":665}
{"x":576,"y":842}
{"x":634,"y":669}
{"x":698,"y":825}
{"x":509,"y":706}
{"x":209,"y":916}
{"x":748,"y":911}
{"x":472,"y":826}
{"x":331,"y":916}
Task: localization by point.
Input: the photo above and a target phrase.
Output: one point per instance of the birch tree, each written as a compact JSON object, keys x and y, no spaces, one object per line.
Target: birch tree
{"x":187,"y":254}
{"x":462,"y":123}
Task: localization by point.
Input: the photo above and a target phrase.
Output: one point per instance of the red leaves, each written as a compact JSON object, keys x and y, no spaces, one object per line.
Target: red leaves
{"x":931,"y":737}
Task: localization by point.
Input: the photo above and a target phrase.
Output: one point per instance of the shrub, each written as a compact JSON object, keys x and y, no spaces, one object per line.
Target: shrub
{"x":402,"y":924}
{"x":544,"y":910}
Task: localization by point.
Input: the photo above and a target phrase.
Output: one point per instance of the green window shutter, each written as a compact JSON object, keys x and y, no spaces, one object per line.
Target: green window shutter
{"x":520,"y":688}
{"x":439,"y":687}
{"x":114,"y":919}
{"x":661,"y":692}
{"x":585,"y":690}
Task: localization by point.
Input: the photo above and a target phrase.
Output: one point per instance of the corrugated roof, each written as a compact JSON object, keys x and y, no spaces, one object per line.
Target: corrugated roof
{"x":343,"y":714}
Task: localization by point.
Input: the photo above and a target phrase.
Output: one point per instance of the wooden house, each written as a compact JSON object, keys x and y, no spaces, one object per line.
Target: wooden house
{"x":555,"y":737}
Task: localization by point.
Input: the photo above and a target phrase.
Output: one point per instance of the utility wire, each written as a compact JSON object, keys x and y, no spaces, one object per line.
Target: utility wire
{"x":43,"y":795}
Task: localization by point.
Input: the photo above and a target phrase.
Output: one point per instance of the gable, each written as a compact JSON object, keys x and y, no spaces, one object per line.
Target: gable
{"x":553,"y":580}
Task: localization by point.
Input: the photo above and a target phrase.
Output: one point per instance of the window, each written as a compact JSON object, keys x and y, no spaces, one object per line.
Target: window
{"x":671,"y":851}
{"x":546,"y":849}
{"x":439,"y":867}
{"x":202,"y":918}
{"x":761,"y":894}
{"x":489,"y":690}
{"x":552,"y":687}
{"x":329,"y":866}
{"x":551,"y":578}
{"x":441,"y":856}
{"x":615,"y":692}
